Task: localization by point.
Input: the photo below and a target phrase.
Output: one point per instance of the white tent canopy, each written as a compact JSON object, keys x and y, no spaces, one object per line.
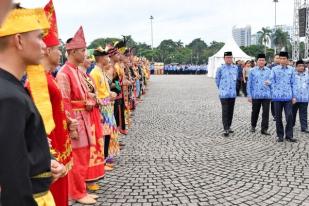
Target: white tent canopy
{"x":215,"y":61}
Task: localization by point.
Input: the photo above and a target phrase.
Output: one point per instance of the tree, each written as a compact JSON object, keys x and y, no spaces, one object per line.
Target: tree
{"x":179,"y":44}
{"x":302,"y":49}
{"x":280,"y":39}
{"x":253,"y":50}
{"x":197,"y":46}
{"x":212,"y":49}
{"x":166,"y":49}
{"x":130,"y":42}
{"x":102,"y":42}
{"x":265,"y":37}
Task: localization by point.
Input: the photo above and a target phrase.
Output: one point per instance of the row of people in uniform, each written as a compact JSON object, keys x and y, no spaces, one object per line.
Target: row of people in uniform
{"x":59,"y":135}
{"x":283,"y":85}
{"x":185,"y":69}
{"x":243,"y":72}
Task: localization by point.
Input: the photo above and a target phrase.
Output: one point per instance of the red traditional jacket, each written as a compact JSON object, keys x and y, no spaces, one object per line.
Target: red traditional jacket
{"x":74,"y":90}
{"x":60,"y":140}
{"x":61,"y":147}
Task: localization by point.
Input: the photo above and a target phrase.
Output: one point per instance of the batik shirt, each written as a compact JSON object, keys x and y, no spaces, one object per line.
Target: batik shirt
{"x":256,"y":87}
{"x":302,"y":86}
{"x":226,"y":77}
{"x":283,"y":83}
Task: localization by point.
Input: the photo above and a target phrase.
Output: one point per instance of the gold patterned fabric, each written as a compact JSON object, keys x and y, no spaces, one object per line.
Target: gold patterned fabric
{"x":39,"y":91}
{"x":24,"y":20}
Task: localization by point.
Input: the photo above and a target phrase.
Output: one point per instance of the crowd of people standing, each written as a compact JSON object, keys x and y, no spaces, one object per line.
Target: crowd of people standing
{"x":185,"y":69}
{"x":279,"y":86}
{"x":60,"y":130}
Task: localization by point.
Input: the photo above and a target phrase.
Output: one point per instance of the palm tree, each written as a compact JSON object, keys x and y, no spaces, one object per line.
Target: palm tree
{"x":179,"y":44}
{"x":265,"y":37}
{"x":280,"y":39}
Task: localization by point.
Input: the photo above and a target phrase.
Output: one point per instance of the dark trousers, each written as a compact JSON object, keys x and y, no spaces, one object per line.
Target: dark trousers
{"x":227,"y":112}
{"x":107,"y":139}
{"x":244,"y":87}
{"x":303,"y":109}
{"x":119,"y":113}
{"x":256,"y":106}
{"x":238,"y":87}
{"x":287,"y":107}
{"x":272,"y":106}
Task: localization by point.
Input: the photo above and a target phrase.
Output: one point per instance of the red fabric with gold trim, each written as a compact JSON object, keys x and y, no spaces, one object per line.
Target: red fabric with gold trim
{"x":51,"y":39}
{"x":78,"y":41}
{"x":60,"y":139}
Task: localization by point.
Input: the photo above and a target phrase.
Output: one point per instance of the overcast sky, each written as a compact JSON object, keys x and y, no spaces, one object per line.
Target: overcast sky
{"x":173,"y":19}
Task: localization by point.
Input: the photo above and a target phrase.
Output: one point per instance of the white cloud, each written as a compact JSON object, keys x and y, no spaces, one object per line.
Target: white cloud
{"x":173,"y":19}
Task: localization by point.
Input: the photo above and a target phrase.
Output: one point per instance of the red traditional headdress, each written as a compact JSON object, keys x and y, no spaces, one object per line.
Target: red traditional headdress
{"x":51,"y":39}
{"x":78,"y":41}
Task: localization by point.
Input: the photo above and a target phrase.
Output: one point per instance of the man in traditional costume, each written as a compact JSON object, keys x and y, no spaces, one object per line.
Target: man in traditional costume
{"x":27,"y":170}
{"x":105,"y":97}
{"x":119,"y":107}
{"x":59,"y":136}
{"x":96,"y":164}
{"x":79,"y":105}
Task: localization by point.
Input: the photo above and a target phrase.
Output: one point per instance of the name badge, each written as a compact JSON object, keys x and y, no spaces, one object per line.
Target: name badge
{"x":234,"y":77}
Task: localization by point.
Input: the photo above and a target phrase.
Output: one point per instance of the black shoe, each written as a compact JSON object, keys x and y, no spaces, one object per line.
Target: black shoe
{"x":252,"y":129}
{"x":291,"y":140}
{"x":305,"y":130}
{"x":279,"y":140}
{"x":264,"y":132}
{"x":231,"y":131}
{"x":226,"y":133}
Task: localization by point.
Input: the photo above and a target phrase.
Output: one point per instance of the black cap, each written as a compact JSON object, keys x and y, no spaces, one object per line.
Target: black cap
{"x":284,"y":54}
{"x":300,"y":62}
{"x":228,"y":53}
{"x":263,"y":56}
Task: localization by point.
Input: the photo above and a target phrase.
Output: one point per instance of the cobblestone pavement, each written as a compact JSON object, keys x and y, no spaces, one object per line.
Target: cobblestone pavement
{"x":175,"y":154}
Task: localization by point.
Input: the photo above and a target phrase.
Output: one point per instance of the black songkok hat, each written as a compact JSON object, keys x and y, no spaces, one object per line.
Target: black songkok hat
{"x":263,"y":56}
{"x":284,"y":54}
{"x":228,"y":53}
{"x":300,"y":62}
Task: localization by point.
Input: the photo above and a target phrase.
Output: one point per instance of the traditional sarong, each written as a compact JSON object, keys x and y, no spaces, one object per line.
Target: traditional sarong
{"x":110,"y":126}
{"x":96,"y":161}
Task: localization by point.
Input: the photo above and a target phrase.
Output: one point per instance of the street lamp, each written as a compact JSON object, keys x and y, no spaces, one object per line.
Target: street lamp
{"x":275,"y":1}
{"x":151,"y":19}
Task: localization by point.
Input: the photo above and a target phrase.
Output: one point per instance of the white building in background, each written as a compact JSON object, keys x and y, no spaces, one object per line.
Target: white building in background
{"x":255,"y":39}
{"x":242,"y":35}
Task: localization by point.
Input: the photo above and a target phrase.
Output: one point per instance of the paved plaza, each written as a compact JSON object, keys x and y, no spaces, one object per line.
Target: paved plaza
{"x":175,"y":154}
